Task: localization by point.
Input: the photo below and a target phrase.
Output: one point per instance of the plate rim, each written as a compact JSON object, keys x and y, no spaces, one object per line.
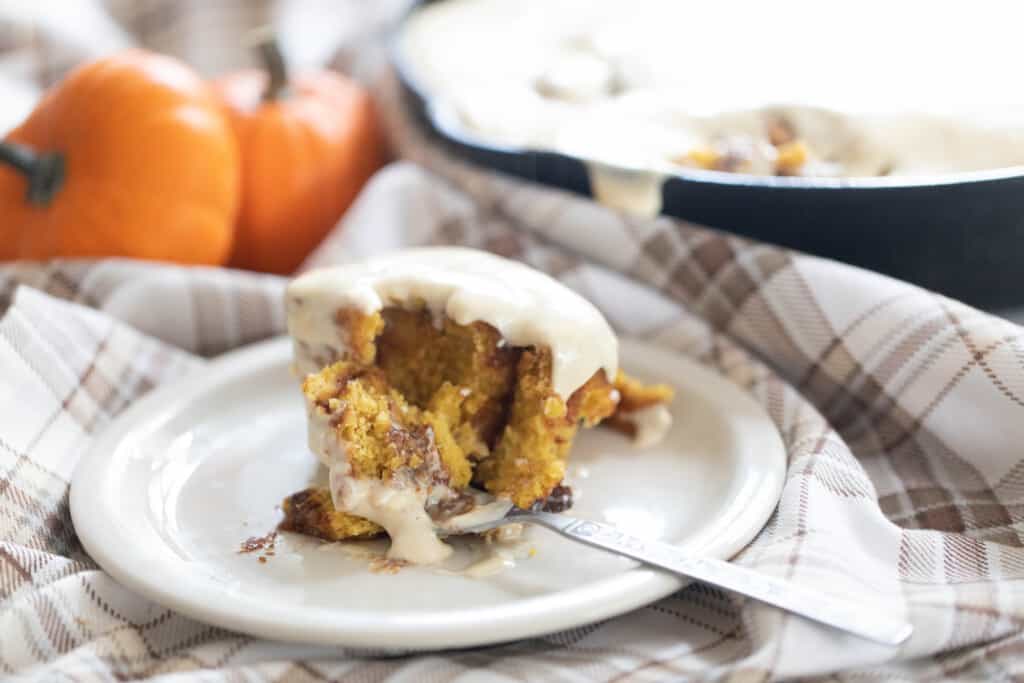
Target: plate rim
{"x":521,"y":618}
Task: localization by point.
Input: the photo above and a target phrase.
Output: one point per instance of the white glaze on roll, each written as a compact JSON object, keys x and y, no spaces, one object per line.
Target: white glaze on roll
{"x":526,"y":306}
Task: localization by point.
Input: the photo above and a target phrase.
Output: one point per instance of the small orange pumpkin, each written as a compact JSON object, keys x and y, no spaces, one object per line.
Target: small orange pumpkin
{"x":129,"y":155}
{"x":307,"y":147}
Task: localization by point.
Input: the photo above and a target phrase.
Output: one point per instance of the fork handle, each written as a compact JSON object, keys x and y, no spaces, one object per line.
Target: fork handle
{"x":860,"y":620}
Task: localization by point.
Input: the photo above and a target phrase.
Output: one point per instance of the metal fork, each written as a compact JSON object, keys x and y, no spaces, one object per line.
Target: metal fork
{"x":860,"y":620}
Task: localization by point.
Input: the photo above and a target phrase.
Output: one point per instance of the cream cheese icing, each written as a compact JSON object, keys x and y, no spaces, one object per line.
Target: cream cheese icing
{"x":652,"y":424}
{"x":526,"y":306}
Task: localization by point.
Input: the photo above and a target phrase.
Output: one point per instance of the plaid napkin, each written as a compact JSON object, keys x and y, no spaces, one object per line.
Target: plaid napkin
{"x":902,"y":412}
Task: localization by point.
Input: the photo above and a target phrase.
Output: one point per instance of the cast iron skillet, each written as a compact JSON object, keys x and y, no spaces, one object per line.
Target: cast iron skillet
{"x":961,"y":234}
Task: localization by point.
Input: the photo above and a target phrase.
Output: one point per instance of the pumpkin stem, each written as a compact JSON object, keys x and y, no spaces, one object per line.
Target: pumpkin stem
{"x":273,"y":62}
{"x":44,"y":172}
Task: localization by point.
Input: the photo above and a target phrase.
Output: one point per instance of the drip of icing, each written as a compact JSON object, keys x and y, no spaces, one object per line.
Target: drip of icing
{"x":486,"y":509}
{"x":652,"y":424}
{"x":526,"y":306}
{"x":634,"y":192}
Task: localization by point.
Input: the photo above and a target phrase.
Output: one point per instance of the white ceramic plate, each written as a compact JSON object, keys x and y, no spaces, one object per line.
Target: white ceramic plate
{"x":174,"y":486}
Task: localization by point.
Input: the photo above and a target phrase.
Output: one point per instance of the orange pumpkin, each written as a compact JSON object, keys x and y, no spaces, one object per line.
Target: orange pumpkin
{"x":307,"y":147}
{"x":130,"y":155}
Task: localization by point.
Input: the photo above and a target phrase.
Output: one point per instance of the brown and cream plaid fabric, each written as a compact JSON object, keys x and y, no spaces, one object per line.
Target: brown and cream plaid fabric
{"x":902,"y":412}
